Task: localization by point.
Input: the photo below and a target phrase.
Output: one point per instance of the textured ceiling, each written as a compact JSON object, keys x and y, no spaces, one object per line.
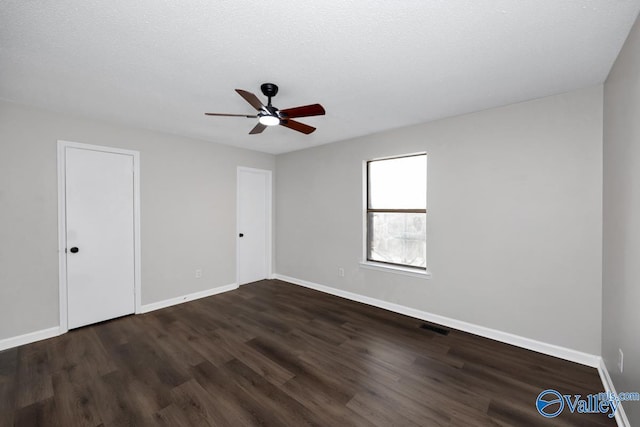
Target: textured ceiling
{"x":374,"y":65}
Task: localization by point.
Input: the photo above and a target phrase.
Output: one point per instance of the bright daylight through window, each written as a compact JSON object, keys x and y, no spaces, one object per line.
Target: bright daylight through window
{"x":397,"y":211}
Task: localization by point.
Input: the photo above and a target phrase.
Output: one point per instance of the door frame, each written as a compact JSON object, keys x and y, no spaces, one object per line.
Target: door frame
{"x":269,"y":219}
{"x":62,"y":226}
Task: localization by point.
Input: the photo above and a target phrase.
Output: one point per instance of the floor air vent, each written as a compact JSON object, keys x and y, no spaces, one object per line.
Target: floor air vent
{"x":436,"y":329}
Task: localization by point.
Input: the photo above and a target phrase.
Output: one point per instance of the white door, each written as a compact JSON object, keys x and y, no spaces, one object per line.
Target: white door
{"x":99,"y":209}
{"x":254,"y":224}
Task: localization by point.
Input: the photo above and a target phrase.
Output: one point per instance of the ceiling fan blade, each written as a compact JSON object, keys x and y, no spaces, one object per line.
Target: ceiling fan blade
{"x":304,"y":111}
{"x":251,"y":99}
{"x":258,"y":129}
{"x":230,"y":115}
{"x":300,"y":127}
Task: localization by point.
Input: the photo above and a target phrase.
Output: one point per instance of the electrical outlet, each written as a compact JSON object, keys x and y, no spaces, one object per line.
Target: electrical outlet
{"x":198,"y":273}
{"x":620,"y":360}
{"x":341,"y":272}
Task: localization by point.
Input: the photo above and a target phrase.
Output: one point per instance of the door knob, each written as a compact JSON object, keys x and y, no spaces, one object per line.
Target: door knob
{"x":241,"y":235}
{"x":73,"y":250}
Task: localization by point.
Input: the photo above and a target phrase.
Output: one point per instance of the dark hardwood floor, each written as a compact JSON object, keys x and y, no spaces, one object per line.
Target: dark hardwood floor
{"x":273,"y":353}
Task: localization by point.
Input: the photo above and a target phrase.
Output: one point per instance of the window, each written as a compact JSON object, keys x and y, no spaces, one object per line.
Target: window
{"x":397,"y":211}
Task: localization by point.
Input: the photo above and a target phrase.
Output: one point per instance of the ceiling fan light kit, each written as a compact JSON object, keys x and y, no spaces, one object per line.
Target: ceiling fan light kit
{"x":268,"y":115}
{"x":268,"y":120}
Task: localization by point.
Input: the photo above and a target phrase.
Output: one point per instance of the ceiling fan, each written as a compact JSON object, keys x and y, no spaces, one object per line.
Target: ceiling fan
{"x":268,"y":115}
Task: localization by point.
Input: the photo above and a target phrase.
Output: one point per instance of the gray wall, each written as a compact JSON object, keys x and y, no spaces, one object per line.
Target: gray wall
{"x":188,"y":211}
{"x":621,"y":265}
{"x":514,"y":218}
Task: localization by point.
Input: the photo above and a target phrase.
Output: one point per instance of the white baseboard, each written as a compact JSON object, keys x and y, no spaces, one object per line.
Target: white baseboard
{"x":12,"y":342}
{"x":494,"y":334}
{"x":621,"y":416}
{"x":29,"y":338}
{"x":190,"y":297}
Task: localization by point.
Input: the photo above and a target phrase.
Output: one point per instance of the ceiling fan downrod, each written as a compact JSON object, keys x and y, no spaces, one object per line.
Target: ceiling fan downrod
{"x":269,"y":90}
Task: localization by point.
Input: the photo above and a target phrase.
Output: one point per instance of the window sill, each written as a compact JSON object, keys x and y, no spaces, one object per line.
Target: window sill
{"x":405,"y":271}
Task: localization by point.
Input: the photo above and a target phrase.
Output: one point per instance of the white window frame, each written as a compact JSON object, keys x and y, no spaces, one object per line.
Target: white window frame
{"x":380,"y":266}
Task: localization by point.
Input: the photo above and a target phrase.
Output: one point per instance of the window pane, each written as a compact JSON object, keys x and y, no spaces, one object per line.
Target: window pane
{"x":399,"y":238}
{"x":398,"y":183}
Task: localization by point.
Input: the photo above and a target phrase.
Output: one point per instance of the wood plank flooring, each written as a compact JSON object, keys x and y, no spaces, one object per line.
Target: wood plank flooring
{"x":275,"y":354}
